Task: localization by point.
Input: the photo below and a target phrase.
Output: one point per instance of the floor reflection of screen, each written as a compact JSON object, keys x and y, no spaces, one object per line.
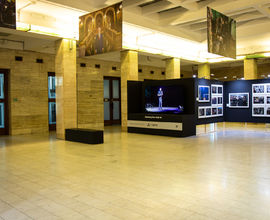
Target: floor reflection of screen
{"x":164,"y":99}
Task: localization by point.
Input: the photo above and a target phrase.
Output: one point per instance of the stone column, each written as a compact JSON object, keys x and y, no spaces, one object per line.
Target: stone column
{"x":250,"y":69}
{"x":66,"y":86}
{"x":129,"y":71}
{"x":204,"y":71}
{"x":173,"y":68}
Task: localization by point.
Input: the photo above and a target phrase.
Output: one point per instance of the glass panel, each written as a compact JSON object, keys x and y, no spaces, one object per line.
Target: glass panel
{"x":106,"y":89}
{"x":116,"y":89}
{"x":2,"y":86}
{"x":107,"y":111}
{"x":116,"y":110}
{"x":52,"y":113}
{"x":2,"y":115}
{"x":51,"y":85}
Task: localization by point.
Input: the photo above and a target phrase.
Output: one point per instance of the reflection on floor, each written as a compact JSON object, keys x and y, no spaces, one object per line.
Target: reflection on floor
{"x":218,"y":175}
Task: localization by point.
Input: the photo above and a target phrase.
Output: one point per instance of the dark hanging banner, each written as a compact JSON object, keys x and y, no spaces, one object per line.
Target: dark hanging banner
{"x":221,"y":33}
{"x":8,"y":14}
{"x":101,"y":31}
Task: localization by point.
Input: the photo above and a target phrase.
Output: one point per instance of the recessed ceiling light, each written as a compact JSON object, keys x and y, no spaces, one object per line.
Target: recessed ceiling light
{"x":225,"y":77}
{"x":212,"y":74}
{"x":194,"y":76}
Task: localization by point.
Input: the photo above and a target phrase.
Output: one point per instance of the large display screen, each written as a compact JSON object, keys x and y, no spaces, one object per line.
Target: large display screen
{"x":164,"y":99}
{"x":221,"y":32}
{"x":101,"y":31}
{"x":8,"y":14}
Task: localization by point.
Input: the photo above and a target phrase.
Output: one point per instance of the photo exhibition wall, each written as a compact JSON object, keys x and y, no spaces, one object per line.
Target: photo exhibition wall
{"x":198,"y":101}
{"x":101,"y":31}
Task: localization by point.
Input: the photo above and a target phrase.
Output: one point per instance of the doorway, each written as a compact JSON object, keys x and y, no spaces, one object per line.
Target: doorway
{"x":4,"y":114}
{"x":52,"y":101}
{"x":112,"y":100}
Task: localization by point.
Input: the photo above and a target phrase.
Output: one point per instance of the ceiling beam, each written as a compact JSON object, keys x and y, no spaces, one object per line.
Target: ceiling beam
{"x":132,"y":3}
{"x":264,"y":11}
{"x":220,"y":6}
{"x":157,"y":7}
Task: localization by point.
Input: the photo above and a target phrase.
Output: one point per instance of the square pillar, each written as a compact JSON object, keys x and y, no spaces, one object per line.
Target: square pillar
{"x":129,"y":71}
{"x":250,"y":69}
{"x":204,"y":71}
{"x":66,"y":86}
{"x":173,"y":68}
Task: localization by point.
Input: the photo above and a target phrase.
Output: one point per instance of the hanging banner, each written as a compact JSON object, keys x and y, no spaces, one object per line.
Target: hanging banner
{"x":221,"y":34}
{"x":8,"y":14}
{"x":101,"y":31}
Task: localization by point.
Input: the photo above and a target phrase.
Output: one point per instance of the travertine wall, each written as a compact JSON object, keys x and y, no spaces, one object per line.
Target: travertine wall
{"x":90,"y":88}
{"x":28,"y":96}
{"x":66,"y":88}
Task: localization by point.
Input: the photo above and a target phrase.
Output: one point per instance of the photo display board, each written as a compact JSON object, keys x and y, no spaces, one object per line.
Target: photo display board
{"x":204,"y":94}
{"x":238,"y":100}
{"x":261,"y":100}
{"x":221,"y":34}
{"x":216,"y":108}
{"x":101,"y":31}
{"x":8,"y":14}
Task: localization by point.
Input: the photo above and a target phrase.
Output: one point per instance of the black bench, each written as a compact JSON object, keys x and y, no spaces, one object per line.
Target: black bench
{"x":86,"y":136}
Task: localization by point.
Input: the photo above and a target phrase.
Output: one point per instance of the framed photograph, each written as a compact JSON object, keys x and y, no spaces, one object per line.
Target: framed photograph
{"x":204,"y":93}
{"x":239,"y":100}
{"x":267,"y":111}
{"x":258,"y":88}
{"x":268,"y":100}
{"x":220,"y":90}
{"x":258,"y":100}
{"x":214,"y":111}
{"x":259,"y":111}
{"x":220,"y":111}
{"x":214,"y":100}
{"x":220,"y":100}
{"x":214,"y":89}
{"x":208,"y":112}
{"x":268,"y":88}
{"x":201,"y":112}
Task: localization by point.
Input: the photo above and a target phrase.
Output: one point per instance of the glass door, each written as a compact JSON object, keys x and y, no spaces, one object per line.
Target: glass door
{"x":4,"y":125}
{"x":52,"y":101}
{"x":112,"y":101}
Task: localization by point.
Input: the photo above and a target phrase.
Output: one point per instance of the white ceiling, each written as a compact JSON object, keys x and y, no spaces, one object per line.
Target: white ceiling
{"x":184,"y":18}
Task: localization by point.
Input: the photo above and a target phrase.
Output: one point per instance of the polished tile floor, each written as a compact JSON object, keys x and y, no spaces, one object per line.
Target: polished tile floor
{"x":217,"y":175}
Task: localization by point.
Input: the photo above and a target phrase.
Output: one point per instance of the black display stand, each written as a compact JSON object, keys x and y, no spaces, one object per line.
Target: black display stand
{"x":182,"y":125}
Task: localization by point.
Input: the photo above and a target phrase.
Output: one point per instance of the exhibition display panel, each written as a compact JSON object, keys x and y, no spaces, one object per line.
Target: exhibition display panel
{"x":261,"y":100}
{"x":175,"y":107}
